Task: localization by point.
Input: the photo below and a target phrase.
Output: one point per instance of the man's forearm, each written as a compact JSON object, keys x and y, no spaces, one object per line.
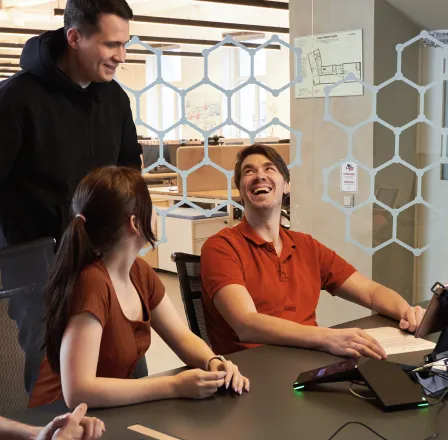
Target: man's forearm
{"x":10,"y":430}
{"x":265,"y":329}
{"x":388,"y":302}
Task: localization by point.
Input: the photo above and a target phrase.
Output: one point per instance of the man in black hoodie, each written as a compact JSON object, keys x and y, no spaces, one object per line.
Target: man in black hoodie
{"x":62,"y":116}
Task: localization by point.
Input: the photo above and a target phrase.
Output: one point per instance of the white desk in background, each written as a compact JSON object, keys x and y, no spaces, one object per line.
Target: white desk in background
{"x":171,"y":194}
{"x":187,"y":229}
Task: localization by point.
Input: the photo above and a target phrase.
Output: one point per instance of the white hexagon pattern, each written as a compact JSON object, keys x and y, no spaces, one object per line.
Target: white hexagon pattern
{"x":350,"y":130}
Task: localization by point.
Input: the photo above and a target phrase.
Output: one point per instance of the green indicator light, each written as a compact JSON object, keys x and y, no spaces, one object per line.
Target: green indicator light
{"x":420,"y":405}
{"x":299,"y":388}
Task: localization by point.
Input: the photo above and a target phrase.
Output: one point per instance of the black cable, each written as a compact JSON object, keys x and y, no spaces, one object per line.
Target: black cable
{"x":360,"y":396}
{"x":438,"y":401}
{"x":434,"y":395}
{"x":442,"y":397}
{"x":432,"y":437}
{"x":360,"y":383}
{"x":432,"y":372}
{"x":443,"y":376}
{"x":357,"y":423}
{"x":436,"y":434}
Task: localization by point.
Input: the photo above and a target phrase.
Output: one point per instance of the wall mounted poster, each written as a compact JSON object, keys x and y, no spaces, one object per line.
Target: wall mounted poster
{"x":327,"y":59}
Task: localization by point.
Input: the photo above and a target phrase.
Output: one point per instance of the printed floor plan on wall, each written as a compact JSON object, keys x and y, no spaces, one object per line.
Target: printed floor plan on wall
{"x":327,"y":59}
{"x":332,"y":73}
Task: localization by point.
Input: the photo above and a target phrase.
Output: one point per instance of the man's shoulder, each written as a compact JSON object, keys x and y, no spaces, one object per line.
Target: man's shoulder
{"x":112,"y":95}
{"x":114,"y":89}
{"x":302,"y":239}
{"x":298,"y":236}
{"x":225,"y":237}
{"x":227,"y":234}
{"x":309,"y":244}
{"x":19,"y":84}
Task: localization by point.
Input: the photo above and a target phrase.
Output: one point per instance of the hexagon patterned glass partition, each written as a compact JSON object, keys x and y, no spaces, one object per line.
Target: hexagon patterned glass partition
{"x":228,"y":93}
{"x":395,"y":131}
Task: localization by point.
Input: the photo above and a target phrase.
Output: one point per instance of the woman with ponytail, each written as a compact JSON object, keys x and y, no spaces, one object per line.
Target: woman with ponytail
{"x":103,"y":301}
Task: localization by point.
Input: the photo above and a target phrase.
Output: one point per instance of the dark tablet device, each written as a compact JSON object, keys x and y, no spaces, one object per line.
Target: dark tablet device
{"x":393,"y":388}
{"x":436,"y":320}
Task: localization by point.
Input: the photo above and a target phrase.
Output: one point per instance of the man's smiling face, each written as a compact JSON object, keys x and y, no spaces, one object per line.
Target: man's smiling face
{"x":262,"y":186}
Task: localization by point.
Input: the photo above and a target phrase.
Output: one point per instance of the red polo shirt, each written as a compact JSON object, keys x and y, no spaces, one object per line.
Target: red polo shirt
{"x":287,"y":287}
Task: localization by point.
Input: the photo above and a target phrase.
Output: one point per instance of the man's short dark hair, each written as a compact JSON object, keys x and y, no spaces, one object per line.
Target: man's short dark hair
{"x":268,"y":152}
{"x":83,"y":14}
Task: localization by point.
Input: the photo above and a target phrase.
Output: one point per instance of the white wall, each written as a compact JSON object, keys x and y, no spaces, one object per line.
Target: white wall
{"x":431,"y":266}
{"x":324,"y":144}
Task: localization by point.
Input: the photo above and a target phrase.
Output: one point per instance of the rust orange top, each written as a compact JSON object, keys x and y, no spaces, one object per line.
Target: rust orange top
{"x":123,"y":341}
{"x":286,"y":287}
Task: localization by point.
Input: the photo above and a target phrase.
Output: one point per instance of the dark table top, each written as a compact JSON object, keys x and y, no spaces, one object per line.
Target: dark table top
{"x":271,"y":410}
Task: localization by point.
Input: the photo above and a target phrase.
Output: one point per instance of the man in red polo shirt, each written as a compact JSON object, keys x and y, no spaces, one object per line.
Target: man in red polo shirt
{"x":261,"y":283}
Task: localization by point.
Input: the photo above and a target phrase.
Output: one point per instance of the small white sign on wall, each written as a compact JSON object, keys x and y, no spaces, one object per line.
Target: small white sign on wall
{"x":349,"y":177}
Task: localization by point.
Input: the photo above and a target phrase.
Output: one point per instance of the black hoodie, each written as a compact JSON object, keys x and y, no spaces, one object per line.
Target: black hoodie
{"x":53,"y":132}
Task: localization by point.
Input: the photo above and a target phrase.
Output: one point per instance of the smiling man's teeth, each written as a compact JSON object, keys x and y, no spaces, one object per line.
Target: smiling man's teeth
{"x":259,"y":190}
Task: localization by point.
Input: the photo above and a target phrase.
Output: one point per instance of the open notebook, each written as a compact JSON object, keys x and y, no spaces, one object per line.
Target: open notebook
{"x":395,"y":341}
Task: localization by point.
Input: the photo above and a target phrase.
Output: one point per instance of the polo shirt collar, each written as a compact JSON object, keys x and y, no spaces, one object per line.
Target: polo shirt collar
{"x":249,"y":232}
{"x":286,"y":239}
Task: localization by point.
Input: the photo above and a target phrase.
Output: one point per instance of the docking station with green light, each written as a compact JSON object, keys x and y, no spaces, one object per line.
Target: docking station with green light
{"x":393,"y":389}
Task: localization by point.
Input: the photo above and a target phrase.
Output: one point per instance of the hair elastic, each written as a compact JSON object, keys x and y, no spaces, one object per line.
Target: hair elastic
{"x":80,"y":215}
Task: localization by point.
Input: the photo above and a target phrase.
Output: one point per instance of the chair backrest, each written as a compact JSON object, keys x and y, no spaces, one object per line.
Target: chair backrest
{"x":24,"y":271}
{"x":189,"y":273}
{"x":285,"y":219}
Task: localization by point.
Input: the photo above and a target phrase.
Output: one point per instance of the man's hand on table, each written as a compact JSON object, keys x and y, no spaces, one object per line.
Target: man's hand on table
{"x":73,"y":426}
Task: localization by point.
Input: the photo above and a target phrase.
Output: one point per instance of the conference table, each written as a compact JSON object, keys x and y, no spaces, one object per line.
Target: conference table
{"x":272,"y":410}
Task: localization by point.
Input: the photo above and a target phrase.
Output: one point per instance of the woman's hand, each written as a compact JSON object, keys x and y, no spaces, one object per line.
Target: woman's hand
{"x":197,"y":383}
{"x":233,"y":375}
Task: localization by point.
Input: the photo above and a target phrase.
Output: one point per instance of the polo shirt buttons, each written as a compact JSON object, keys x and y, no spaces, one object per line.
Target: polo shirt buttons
{"x":283,"y":276}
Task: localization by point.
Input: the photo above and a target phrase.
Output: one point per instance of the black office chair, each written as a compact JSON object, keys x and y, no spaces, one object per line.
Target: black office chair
{"x":285,"y":215}
{"x":285,"y":219}
{"x":188,"y":271}
{"x":24,"y":271}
